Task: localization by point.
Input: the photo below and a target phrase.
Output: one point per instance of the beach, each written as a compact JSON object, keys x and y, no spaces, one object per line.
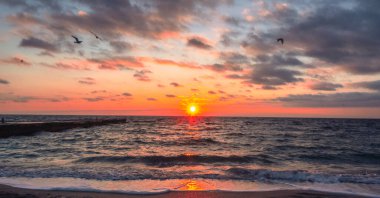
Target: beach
{"x":12,"y":192}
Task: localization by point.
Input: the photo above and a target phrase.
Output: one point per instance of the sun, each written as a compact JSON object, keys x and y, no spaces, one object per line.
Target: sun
{"x":192,"y":109}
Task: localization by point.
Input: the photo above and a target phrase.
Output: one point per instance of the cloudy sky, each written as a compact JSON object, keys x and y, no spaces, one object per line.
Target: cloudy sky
{"x":151,"y":57}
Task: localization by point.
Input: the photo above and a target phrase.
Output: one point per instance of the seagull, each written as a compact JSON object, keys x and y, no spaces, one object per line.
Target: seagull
{"x":96,"y":36}
{"x":281,"y":40}
{"x":77,"y":41}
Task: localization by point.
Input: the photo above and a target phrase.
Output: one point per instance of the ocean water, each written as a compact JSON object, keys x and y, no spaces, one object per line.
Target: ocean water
{"x":159,"y":154}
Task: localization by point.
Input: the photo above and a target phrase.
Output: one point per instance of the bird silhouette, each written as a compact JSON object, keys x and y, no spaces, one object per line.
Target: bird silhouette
{"x":96,"y":36}
{"x":281,"y":40}
{"x":77,"y":41}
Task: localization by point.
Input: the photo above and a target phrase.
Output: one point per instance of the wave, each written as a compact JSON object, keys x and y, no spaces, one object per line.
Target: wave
{"x":299,"y":176}
{"x":177,"y":160}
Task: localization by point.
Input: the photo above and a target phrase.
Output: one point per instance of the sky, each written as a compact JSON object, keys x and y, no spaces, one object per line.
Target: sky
{"x":155,"y":57}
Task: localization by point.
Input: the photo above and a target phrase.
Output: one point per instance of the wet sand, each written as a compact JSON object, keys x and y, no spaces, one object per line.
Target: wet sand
{"x":12,"y":192}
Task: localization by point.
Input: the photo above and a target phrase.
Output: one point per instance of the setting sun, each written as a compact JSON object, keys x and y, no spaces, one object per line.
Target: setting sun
{"x":192,"y":109}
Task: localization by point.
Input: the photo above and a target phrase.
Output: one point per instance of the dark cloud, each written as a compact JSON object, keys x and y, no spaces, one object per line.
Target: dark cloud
{"x":211,"y":92}
{"x":255,"y":43}
{"x":372,"y":85}
{"x":232,"y":61}
{"x":233,"y":58}
{"x":37,"y":43}
{"x":234,"y":21}
{"x":236,"y":76}
{"x":121,"y":46}
{"x":4,"y":82}
{"x":87,"y":81}
{"x":280,"y":60}
{"x":346,"y":37}
{"x":348,"y":99}
{"x":127,"y":94}
{"x":199,"y":43}
{"x":174,"y":84}
{"x":224,"y":67}
{"x":325,"y":86}
{"x":273,"y":76}
{"x":272,"y":71}
{"x":33,"y":6}
{"x":142,"y":75}
{"x":170,"y":95}
{"x":142,"y":18}
{"x":229,"y":38}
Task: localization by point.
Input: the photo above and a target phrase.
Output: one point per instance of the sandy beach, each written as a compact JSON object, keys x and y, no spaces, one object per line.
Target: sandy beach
{"x":12,"y":192}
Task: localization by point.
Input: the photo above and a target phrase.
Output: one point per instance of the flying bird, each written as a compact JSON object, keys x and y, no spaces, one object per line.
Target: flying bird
{"x":77,"y":41}
{"x":281,"y":40}
{"x":96,"y":36}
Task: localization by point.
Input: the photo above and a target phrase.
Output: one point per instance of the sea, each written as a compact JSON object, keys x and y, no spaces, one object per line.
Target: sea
{"x":148,"y":155}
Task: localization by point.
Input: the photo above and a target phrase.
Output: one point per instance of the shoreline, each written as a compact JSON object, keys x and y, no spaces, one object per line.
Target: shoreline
{"x":14,"y":192}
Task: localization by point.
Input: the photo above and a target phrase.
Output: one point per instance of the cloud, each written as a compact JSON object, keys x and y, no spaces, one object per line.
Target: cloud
{"x":174,"y":84}
{"x":94,"y":99}
{"x":37,"y":43}
{"x":120,"y":46}
{"x":80,"y":65}
{"x":272,"y":76}
{"x":275,"y":70}
{"x":211,"y":92}
{"x":346,"y":38}
{"x":15,"y":61}
{"x":372,"y":85}
{"x":117,"y":62}
{"x":173,"y":63}
{"x":58,"y":99}
{"x":151,"y":99}
{"x":150,"y":19}
{"x":233,"y":21}
{"x":87,"y":81}
{"x":347,"y":99}
{"x":127,"y":94}
{"x":229,"y":38}
{"x":10,"y":97}
{"x":170,"y":95}
{"x":98,"y":91}
{"x":142,"y":75}
{"x":325,"y":86}
{"x":4,"y":82}
{"x":224,"y":67}
{"x":199,"y":43}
